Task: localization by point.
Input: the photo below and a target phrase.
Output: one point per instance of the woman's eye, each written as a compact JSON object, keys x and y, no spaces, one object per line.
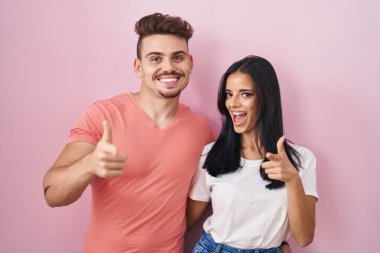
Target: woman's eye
{"x":246,"y":94}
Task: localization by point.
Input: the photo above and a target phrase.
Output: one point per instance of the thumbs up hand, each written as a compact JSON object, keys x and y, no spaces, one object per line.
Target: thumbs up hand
{"x":279,"y":167}
{"x":107,"y":132}
{"x":106,"y":160}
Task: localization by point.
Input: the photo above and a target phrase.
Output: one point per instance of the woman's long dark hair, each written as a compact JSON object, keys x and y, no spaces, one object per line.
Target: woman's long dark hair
{"x":224,"y":156}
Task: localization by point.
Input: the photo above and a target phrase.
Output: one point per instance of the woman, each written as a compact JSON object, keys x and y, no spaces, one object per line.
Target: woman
{"x":261,"y":186}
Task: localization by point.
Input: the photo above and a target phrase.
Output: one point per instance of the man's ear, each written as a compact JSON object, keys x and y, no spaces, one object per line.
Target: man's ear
{"x":137,"y":68}
{"x":191,"y":63}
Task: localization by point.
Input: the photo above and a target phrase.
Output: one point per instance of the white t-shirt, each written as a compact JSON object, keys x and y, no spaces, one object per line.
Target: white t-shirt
{"x":245,"y":213}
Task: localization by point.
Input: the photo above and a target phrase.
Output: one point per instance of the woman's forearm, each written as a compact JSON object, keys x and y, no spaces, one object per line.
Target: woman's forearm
{"x":301,"y":209}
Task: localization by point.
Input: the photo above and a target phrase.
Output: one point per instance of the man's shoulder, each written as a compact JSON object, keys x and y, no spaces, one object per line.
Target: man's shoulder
{"x":114,"y":99}
{"x":196,"y":121}
{"x":191,"y":118}
{"x":118,"y":102}
{"x":188,"y":113}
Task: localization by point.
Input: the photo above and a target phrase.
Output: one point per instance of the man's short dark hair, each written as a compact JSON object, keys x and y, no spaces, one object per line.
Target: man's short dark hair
{"x":158,"y":23}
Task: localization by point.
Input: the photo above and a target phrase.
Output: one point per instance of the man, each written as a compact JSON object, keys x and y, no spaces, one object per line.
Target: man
{"x":138,"y":151}
{"x":140,"y":161}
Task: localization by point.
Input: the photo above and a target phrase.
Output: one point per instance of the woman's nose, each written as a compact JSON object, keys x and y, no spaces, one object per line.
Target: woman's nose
{"x":234,"y":101}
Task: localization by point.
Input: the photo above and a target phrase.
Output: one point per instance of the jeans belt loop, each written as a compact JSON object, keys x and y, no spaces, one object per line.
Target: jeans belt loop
{"x":218,"y":248}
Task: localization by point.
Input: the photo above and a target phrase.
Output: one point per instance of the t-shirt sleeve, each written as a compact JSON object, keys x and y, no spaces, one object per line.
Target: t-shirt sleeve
{"x":199,"y":189}
{"x":89,"y":128}
{"x":205,"y":131}
{"x":210,"y":135}
{"x":308,"y":172}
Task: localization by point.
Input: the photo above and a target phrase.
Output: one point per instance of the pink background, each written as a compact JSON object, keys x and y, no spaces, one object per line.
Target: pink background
{"x":57,"y":57}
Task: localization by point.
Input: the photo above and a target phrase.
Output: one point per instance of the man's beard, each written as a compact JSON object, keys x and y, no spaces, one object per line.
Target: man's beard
{"x":173,"y":94}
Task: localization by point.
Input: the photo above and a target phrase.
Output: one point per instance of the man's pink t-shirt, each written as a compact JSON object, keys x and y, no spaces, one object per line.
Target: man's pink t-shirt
{"x":143,"y":210}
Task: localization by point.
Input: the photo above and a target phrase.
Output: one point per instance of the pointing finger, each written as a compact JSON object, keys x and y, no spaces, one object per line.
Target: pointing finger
{"x":268,"y":164}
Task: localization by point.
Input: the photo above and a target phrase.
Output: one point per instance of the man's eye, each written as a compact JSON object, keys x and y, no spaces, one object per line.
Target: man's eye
{"x":155,"y":59}
{"x":178,"y":58}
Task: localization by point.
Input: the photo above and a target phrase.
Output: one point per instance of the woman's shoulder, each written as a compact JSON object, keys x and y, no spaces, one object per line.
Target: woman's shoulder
{"x":207,"y":148}
{"x":302,"y":150}
{"x":307,"y":158}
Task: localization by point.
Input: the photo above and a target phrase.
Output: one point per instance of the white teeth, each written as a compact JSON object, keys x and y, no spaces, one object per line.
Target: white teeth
{"x":238,"y":113}
{"x":167,"y":80}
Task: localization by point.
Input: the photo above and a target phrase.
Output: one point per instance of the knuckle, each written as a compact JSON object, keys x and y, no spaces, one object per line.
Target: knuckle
{"x":102,"y":173}
{"x":114,"y":150}
{"x":100,"y":145}
{"x":102,"y":156}
{"x":103,"y":164}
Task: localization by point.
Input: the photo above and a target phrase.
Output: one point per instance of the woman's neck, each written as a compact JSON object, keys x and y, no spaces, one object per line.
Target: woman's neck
{"x":249,"y":150}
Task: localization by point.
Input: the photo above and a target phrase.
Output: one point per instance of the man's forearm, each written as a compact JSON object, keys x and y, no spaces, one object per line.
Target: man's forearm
{"x":64,"y":185}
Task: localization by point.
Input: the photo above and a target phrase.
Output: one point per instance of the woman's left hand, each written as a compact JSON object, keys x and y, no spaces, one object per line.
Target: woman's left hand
{"x":279,"y":167}
{"x":301,"y":207}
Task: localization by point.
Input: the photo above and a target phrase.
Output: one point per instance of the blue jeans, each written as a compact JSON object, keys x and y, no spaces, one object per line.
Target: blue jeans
{"x":207,"y":245}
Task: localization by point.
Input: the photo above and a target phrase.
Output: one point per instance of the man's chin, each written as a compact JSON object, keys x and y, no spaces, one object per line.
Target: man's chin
{"x":169,"y":94}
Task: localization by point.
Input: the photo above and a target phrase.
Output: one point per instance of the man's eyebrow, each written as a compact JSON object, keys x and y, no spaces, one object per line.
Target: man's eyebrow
{"x":161,"y":54}
{"x":154,"y":53}
{"x":180,"y":52}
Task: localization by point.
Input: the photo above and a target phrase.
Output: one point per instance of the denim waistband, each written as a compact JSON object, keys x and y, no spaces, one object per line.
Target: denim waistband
{"x":237,"y":250}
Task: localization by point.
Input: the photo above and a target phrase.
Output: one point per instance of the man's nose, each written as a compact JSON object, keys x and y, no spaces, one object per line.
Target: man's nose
{"x":167,"y":65}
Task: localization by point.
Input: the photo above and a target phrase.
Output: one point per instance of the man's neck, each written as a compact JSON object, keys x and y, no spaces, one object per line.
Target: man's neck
{"x":160,"y":110}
